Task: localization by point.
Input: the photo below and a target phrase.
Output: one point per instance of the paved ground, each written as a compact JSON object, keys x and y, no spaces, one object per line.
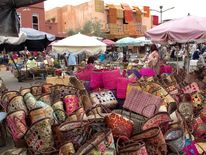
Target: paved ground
{"x":11,"y":82}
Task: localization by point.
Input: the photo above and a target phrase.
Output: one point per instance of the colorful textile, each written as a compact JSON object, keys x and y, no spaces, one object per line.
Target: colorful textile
{"x":120,"y":13}
{"x":99,"y":6}
{"x":155,"y":20}
{"x":138,"y":15}
{"x":128,"y":13}
{"x":146,"y":11}
{"x":112,"y":14}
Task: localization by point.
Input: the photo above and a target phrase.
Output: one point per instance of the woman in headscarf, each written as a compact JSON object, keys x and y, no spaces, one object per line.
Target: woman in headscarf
{"x":153,"y":59}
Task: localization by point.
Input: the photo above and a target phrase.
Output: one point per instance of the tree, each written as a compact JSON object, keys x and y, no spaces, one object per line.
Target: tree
{"x":71,"y":32}
{"x":87,"y":28}
{"x":91,"y":28}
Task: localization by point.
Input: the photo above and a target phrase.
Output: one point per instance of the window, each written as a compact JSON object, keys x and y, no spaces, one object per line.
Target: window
{"x":19,"y":15}
{"x":35,"y":21}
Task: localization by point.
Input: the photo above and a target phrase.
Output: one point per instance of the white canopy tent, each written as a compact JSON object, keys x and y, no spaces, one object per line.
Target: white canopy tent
{"x":79,"y":43}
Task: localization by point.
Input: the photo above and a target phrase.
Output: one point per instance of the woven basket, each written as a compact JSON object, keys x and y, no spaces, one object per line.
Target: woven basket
{"x":137,"y":119}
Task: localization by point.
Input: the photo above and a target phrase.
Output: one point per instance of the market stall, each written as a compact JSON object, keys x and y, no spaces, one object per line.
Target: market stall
{"x":180,"y":31}
{"x":79,"y":43}
{"x":119,"y":109}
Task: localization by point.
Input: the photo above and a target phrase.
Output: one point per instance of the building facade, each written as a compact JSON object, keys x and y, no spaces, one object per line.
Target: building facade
{"x":33,"y":16}
{"x":117,"y":20}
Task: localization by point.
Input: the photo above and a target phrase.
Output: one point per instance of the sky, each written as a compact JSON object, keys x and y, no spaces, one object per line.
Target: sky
{"x":182,"y":7}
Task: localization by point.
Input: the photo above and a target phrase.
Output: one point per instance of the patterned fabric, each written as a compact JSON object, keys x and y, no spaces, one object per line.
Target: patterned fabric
{"x":112,"y":14}
{"x":175,"y":138}
{"x":59,"y":111}
{"x":102,"y":143}
{"x":72,"y":103}
{"x":16,"y":122}
{"x":16,"y":103}
{"x":146,"y":11}
{"x":138,"y":15}
{"x":105,"y":98}
{"x":99,"y":6}
{"x":39,"y":137}
{"x":46,"y":99}
{"x":36,"y":90}
{"x":138,"y":120}
{"x":120,"y":13}
{"x":37,"y":114}
{"x":142,"y":103}
{"x":191,"y":88}
{"x":133,"y":148}
{"x":6,"y":97}
{"x":128,"y":13}
{"x":120,"y":126}
{"x":154,"y":140}
{"x":157,"y":120}
{"x":197,"y":99}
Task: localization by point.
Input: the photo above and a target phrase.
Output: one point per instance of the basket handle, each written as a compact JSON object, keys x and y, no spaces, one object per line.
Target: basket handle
{"x":55,"y":118}
{"x":142,"y":113}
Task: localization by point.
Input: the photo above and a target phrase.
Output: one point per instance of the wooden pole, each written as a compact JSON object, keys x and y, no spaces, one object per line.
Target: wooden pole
{"x":188,"y":59}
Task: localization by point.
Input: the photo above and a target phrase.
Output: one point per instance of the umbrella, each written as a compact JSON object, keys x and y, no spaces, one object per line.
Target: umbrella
{"x":143,"y":41}
{"x":182,"y":30}
{"x":13,"y":40}
{"x":9,"y":25}
{"x":34,"y":40}
{"x":108,"y":42}
{"x":128,"y":41}
{"x":33,"y":34}
{"x":79,"y":43}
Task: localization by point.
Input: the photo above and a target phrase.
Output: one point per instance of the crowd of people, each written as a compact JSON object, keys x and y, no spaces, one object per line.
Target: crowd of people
{"x":152,"y":55}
